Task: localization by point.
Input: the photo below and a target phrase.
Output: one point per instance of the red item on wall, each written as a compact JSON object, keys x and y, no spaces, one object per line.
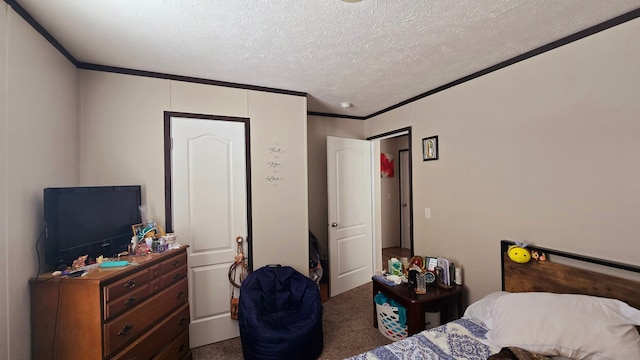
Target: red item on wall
{"x":386,"y":165}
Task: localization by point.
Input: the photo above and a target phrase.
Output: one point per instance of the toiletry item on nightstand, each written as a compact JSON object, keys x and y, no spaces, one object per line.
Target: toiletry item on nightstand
{"x":458,"y":275}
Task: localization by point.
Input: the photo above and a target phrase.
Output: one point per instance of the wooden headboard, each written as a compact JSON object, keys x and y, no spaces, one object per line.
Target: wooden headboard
{"x":550,"y":276}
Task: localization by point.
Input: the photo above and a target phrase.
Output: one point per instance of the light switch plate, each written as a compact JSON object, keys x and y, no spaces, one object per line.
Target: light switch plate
{"x":427,"y":213}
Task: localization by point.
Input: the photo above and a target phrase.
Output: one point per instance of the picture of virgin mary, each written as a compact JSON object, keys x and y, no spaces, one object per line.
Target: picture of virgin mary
{"x":430,"y":148}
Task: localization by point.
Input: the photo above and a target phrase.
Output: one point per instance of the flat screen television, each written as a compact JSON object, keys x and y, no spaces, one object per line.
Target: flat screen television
{"x":90,"y":220}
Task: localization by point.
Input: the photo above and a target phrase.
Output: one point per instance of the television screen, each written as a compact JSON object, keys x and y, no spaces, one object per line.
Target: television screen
{"x":89,"y":221}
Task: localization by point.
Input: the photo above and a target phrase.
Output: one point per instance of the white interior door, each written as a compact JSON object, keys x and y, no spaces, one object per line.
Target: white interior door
{"x":349,"y":181}
{"x":209,"y":202}
{"x":405,"y":198}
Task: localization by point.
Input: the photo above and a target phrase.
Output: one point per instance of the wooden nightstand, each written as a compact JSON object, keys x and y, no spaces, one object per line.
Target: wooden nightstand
{"x":436,"y":299}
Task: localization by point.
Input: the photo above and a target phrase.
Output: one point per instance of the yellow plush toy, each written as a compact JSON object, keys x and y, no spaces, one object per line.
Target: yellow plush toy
{"x":519,"y":253}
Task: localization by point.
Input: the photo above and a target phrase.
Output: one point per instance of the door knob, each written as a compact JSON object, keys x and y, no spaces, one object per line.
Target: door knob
{"x":333,"y":224}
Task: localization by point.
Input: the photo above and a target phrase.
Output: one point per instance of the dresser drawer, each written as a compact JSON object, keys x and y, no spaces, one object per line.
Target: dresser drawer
{"x":173,"y":276}
{"x":176,"y":350}
{"x":118,"y":306}
{"x":172,"y":270}
{"x":158,"y":337}
{"x":127,"y":327}
{"x":172,"y":264}
{"x":126,"y":285}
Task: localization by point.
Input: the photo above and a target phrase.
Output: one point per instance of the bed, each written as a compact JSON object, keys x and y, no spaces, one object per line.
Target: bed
{"x":568,"y":307}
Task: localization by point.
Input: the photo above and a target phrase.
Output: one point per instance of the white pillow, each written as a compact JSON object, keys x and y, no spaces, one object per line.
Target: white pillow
{"x":481,"y":309}
{"x":574,"y":326}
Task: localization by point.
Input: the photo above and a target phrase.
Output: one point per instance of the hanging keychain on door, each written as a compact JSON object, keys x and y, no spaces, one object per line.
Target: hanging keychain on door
{"x":244,"y":271}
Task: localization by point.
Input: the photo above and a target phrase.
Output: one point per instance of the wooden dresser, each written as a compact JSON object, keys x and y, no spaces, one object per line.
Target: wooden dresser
{"x":133,"y":312}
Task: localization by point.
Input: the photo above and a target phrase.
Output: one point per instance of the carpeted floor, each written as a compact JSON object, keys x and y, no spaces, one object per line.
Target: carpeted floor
{"x":347,"y":323}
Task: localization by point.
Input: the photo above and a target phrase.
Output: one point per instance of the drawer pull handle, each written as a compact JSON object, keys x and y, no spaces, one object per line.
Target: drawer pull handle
{"x":180,"y":348}
{"x":130,"y":300}
{"x":182,"y":320}
{"x":130,"y":284}
{"x":177,"y":263}
{"x":126,"y":330}
{"x":179,"y":294}
{"x":177,"y":276}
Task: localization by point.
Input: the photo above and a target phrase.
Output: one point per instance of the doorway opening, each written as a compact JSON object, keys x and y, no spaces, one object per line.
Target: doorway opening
{"x":354,"y":198}
{"x":396,"y":201}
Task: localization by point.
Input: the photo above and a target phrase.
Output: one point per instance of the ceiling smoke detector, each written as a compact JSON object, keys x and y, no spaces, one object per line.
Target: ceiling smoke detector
{"x":345,"y":104}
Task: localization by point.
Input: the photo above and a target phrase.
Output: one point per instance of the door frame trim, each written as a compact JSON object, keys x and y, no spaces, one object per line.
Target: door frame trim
{"x":400,"y":152}
{"x":390,"y":134}
{"x":168,"y":115}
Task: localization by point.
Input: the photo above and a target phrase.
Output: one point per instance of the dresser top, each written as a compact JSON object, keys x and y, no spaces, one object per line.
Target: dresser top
{"x":108,"y":274}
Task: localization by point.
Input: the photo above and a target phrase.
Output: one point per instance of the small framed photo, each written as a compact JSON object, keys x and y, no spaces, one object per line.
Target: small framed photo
{"x":137,"y":228}
{"x":430,"y":148}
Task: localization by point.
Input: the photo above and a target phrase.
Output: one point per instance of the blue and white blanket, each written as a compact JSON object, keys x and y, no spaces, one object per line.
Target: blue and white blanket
{"x":459,"y":339}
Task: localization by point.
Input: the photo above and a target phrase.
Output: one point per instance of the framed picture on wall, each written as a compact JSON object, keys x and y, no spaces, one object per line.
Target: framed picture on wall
{"x":430,"y":148}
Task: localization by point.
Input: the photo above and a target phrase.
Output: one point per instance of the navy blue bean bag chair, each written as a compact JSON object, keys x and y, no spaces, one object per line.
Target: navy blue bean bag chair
{"x":280,"y":315}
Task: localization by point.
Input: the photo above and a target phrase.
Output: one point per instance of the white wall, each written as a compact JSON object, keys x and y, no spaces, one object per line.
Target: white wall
{"x":39,"y":141}
{"x":122,"y":133}
{"x":121,"y":126}
{"x":543,"y":151}
{"x":280,"y":210}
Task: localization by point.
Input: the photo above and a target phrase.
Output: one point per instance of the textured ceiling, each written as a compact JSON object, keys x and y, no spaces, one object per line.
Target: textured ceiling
{"x":374,"y":53}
